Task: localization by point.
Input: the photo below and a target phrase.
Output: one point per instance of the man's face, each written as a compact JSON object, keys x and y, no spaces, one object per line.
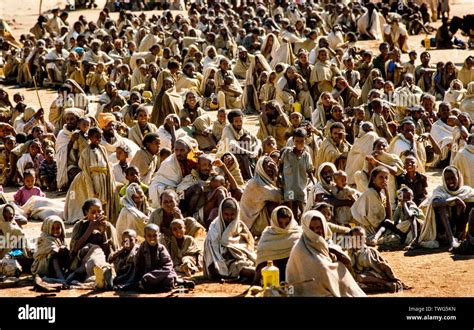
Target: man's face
{"x":71,"y":121}
{"x":229,"y":215}
{"x":243,"y":55}
{"x":443,"y":112}
{"x":204,"y":167}
{"x":408,"y":131}
{"x":237,"y":123}
{"x":451,"y":179}
{"x":95,"y":47}
{"x":154,"y":147}
{"x":337,"y":135}
{"x":327,"y":174}
{"x":181,"y":151}
{"x":317,"y":227}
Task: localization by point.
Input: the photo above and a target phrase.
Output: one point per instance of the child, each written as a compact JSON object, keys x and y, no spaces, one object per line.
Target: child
{"x":19,"y":108}
{"x":268,"y":90}
{"x":11,"y":226}
{"x":218,"y":192}
{"x":327,"y":210}
{"x":125,"y":78}
{"x":187,"y":125}
{"x":31,"y":159}
{"x":48,"y":170}
{"x":119,"y":168}
{"x":408,"y":217}
{"x":269,"y":144}
{"x":73,"y":68}
{"x":142,"y":127}
{"x":416,"y":181}
{"x":296,"y":168}
{"x":381,"y":125}
{"x":28,"y":190}
{"x":154,"y":270}
{"x":341,"y":191}
{"x":219,"y":124}
{"x":51,"y":259}
{"x":81,"y":140}
{"x":123,"y":259}
{"x":132,"y":175}
{"x":186,"y":255}
{"x":409,"y":67}
{"x":164,"y":153}
{"x":9,"y":144}
{"x":370,"y":269}
{"x":96,"y":79}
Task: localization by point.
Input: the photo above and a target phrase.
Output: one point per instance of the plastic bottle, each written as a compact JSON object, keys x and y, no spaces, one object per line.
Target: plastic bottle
{"x":270,"y":275}
{"x":427,"y":42}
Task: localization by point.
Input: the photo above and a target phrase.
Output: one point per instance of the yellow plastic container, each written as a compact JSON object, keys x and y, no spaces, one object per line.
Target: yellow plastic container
{"x":427,"y":42}
{"x":270,"y":275}
{"x":296,"y":107}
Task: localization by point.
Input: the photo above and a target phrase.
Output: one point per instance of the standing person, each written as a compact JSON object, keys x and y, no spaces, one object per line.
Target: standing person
{"x":311,"y":258}
{"x":96,"y":179}
{"x":296,"y":168}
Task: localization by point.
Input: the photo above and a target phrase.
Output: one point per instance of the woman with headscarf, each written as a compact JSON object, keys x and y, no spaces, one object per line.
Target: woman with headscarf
{"x":368,"y":85}
{"x":270,"y":50}
{"x":135,"y":213}
{"x":379,"y":156}
{"x":373,"y":211}
{"x":448,"y":210}
{"x":323,"y":73}
{"x":208,"y":86}
{"x":467,"y":105}
{"x":10,"y":228}
{"x":51,"y":257}
{"x":189,"y":79}
{"x":167,"y":102}
{"x":314,"y":268}
{"x":455,"y":93}
{"x":170,"y":131}
{"x":260,"y":196}
{"x":210,"y":57}
{"x":362,"y":146}
{"x":273,"y":122}
{"x":191,"y":106}
{"x":466,"y":74}
{"x":322,"y":113}
{"x":228,"y":86}
{"x":276,"y":242}
{"x":292,"y":88}
{"x":229,"y":245}
{"x":250,"y":100}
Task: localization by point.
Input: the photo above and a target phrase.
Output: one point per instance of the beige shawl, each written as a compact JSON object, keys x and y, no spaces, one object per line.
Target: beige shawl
{"x":427,"y":238}
{"x":312,"y":269}
{"x":135,"y":133}
{"x":259,"y":190}
{"x":146,"y":164}
{"x":362,"y":147}
{"x":369,"y":211}
{"x":464,"y":161}
{"x":46,"y":245}
{"x":228,"y":248}
{"x":276,"y":242}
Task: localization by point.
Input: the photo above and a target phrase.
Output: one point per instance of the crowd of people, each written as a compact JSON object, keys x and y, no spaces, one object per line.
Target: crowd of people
{"x":150,"y":141}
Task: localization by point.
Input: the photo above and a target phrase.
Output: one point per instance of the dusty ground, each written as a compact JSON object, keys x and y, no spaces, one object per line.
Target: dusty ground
{"x":431,"y":273}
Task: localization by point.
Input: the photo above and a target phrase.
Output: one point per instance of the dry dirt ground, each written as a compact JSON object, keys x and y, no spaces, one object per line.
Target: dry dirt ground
{"x":434,"y":273}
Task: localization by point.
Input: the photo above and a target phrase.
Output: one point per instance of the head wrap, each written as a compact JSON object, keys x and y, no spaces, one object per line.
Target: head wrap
{"x":104,"y":119}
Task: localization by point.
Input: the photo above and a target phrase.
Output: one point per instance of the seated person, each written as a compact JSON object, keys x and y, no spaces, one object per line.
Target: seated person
{"x":184,"y":250}
{"x":123,"y":259}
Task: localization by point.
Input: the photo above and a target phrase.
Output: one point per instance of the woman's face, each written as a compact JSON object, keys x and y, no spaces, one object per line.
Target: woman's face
{"x":452,"y":180}
{"x":326,"y":100}
{"x":337,"y":113}
{"x":56,"y":229}
{"x":450,"y":68}
{"x":138,"y":198}
{"x":316,"y":226}
{"x":224,"y":65}
{"x":290,"y":73}
{"x":168,"y":203}
{"x":270,"y":168}
{"x":229,"y":215}
{"x":191,"y":100}
{"x":381,"y":180}
{"x":94,"y":212}
{"x":283,"y":222}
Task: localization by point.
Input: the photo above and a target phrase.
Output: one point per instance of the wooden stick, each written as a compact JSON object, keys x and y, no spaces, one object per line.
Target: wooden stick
{"x":36,"y":86}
